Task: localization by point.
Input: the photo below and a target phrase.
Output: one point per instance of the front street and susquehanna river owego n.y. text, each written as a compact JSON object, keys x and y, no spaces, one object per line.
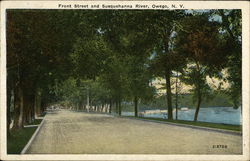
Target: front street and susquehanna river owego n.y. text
{"x":119,"y":6}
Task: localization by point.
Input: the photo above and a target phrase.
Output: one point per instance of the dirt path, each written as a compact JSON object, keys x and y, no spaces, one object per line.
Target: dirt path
{"x":67,"y":132}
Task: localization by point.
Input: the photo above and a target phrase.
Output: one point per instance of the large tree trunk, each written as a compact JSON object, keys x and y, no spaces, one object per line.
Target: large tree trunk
{"x":32,"y":107}
{"x":16,"y":108}
{"x":38,"y":101}
{"x":169,"y":95}
{"x":21,"y":108}
{"x":106,"y":106}
{"x":110,"y":106}
{"x":116,"y":106}
{"x":166,"y":39}
{"x":197,"y":107}
{"x":43,"y":106}
{"x":176,"y":97}
{"x":88,"y":100}
{"x":136,"y":106}
{"x":8,"y":110}
{"x":102,"y":106}
{"x":119,"y":107}
{"x":29,"y":114}
{"x":198,"y":89}
{"x":33,"y":111}
{"x":90,"y":105}
{"x":28,"y":101}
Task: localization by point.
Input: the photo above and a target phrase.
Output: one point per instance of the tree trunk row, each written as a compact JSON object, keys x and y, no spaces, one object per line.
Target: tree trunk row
{"x":26,"y":107}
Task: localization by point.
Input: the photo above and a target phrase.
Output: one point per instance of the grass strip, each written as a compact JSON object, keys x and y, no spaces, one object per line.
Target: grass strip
{"x":198,"y":123}
{"x":18,"y":139}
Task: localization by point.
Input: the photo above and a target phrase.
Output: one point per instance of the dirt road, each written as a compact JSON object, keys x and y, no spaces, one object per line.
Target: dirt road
{"x":68,"y":132}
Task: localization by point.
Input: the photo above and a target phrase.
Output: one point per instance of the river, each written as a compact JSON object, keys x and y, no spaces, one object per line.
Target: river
{"x":225,"y":115}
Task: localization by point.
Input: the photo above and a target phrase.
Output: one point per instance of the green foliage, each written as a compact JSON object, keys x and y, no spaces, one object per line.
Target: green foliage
{"x":90,"y":56}
{"x":200,"y":41}
{"x":113,"y":55}
{"x":232,"y":25}
{"x":18,"y":139}
{"x":198,"y":79}
{"x":74,"y":92}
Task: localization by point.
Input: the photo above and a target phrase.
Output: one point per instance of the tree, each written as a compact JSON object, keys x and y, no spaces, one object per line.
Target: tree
{"x":34,"y":61}
{"x":232,"y":32}
{"x":200,"y":41}
{"x":164,"y":63}
{"x":135,"y":42}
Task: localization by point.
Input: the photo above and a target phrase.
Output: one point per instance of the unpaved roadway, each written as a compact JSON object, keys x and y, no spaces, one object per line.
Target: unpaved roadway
{"x":68,"y":132}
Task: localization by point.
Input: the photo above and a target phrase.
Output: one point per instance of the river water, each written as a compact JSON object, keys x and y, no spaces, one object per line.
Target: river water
{"x":225,"y":115}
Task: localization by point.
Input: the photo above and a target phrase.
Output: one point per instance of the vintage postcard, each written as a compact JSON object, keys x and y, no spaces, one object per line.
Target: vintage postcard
{"x":124,"y":80}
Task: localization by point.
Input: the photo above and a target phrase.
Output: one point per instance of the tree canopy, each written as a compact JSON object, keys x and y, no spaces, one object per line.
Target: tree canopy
{"x":90,"y":59}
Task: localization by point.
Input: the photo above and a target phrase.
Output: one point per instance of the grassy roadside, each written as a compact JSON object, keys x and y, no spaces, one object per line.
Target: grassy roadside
{"x":202,"y":124}
{"x":20,"y":137}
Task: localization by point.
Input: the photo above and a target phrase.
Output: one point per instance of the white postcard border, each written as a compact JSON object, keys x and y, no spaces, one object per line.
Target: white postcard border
{"x":244,"y":5}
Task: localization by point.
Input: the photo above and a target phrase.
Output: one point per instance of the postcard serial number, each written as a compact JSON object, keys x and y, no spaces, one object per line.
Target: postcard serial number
{"x":220,"y":146}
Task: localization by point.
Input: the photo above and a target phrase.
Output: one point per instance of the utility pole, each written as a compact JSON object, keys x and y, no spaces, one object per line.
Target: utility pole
{"x":176,"y":97}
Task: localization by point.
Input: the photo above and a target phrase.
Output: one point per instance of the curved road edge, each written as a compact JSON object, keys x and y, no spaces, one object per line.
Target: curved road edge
{"x":33,"y":137}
